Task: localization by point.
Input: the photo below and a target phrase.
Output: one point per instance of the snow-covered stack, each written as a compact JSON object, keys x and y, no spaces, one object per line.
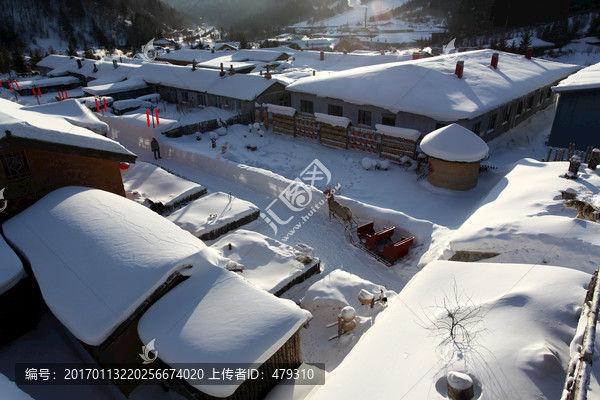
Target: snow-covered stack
{"x":454,"y":154}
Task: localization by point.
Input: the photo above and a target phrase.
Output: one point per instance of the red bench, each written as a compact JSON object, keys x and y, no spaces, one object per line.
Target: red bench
{"x":398,"y":249}
{"x":391,"y":252}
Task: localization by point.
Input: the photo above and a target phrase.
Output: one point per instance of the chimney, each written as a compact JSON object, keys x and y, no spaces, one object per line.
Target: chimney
{"x":314,"y":72}
{"x":222,"y":73}
{"x":460,"y":65}
{"x":494,"y":62}
{"x":417,"y":55}
{"x":345,"y":51}
{"x":115,"y":65}
{"x":322,"y":56}
{"x":79,"y":65}
{"x":194,"y":64}
{"x":231,"y":70}
{"x":95,"y":68}
{"x":529,"y":53}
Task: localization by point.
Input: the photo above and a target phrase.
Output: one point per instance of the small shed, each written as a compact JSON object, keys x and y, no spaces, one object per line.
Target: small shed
{"x":455,"y":154}
{"x":334,"y":130}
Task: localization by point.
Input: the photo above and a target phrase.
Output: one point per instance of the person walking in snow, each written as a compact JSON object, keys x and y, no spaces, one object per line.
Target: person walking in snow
{"x":155,"y":148}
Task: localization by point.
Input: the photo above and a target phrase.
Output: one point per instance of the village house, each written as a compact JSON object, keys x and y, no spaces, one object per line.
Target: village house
{"x":53,"y":145}
{"x":202,"y":87}
{"x":577,"y":120}
{"x":134,"y":273}
{"x":487,"y":92}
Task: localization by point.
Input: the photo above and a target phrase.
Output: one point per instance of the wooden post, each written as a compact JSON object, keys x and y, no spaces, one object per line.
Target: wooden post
{"x":549,"y":154}
{"x":594,"y":159}
{"x":460,"y":386}
{"x":266,"y":118}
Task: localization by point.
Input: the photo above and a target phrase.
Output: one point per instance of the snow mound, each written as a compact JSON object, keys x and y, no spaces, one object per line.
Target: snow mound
{"x":217,"y":317}
{"x":212,"y":212}
{"x":72,"y":111}
{"x":144,"y":181}
{"x":454,"y":143}
{"x":505,"y":332}
{"x":98,"y":256}
{"x":268,"y":263}
{"x":524,"y":219}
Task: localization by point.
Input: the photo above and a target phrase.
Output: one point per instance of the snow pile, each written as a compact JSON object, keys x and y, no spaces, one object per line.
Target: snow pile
{"x":528,"y":315}
{"x":400,"y":133}
{"x":98,"y":256}
{"x":481,"y":89}
{"x":587,"y":78}
{"x":332,"y":120}
{"x":373,"y":163}
{"x":117,"y":87}
{"x":73,"y":112}
{"x":40,"y":123}
{"x":454,"y":143}
{"x":121,"y":106}
{"x":267,"y":263}
{"x":212,"y":212}
{"x":217,"y":317}
{"x":144,"y":181}
{"x":11,"y":269}
{"x":524,"y":219}
{"x":281,"y":110}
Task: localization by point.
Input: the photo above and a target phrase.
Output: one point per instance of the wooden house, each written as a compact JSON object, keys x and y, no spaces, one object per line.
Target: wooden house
{"x":42,"y":150}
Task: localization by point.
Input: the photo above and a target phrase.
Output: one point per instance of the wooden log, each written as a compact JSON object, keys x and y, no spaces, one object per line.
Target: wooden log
{"x":332,"y":143}
{"x":334,"y":138}
{"x":334,"y":131}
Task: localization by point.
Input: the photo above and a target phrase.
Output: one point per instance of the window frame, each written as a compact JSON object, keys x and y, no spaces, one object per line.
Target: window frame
{"x":307,"y":106}
{"x":362,"y":117}
{"x":7,"y":168}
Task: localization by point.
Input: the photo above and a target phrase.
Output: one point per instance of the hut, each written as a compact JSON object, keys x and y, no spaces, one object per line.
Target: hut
{"x":53,"y":145}
{"x":454,"y":154}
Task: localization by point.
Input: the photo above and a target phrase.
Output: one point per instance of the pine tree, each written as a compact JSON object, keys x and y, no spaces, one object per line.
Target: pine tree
{"x":17,"y":62}
{"x":243,"y":42}
{"x":525,"y":42}
{"x":4,"y":60}
{"x":87,"y":52}
{"x":71,"y":50}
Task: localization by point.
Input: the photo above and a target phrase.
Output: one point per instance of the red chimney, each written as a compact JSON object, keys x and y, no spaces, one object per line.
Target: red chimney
{"x":529,"y":53}
{"x":222,"y":73}
{"x":231,"y":70}
{"x":494,"y":62}
{"x":460,"y":65}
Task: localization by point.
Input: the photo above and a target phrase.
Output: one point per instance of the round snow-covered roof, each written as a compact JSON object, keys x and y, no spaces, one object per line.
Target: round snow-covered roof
{"x":454,"y":143}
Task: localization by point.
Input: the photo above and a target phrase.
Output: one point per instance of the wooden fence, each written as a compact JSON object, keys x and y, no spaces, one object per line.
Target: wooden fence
{"x":562,"y":154}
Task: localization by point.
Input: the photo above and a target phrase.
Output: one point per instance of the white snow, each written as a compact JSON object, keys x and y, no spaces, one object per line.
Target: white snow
{"x":117,"y":87}
{"x":48,"y":82}
{"x":97,"y":256}
{"x":128,"y":104}
{"x":11,"y":268}
{"x":43,"y":125}
{"x":587,"y":78}
{"x":400,"y":133}
{"x":523,"y":217}
{"x":144,"y":181}
{"x":535,"y":42}
{"x":268,"y":263}
{"x":281,"y":110}
{"x":429,"y":87}
{"x":454,"y":143}
{"x":73,"y":112}
{"x":211,"y":212}
{"x":217,"y":317}
{"x":528,"y":314}
{"x":332,"y":120}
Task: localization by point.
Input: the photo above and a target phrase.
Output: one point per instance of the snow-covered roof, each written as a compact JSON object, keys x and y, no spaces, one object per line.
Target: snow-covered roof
{"x":53,"y":61}
{"x":535,"y":42}
{"x":332,"y":120}
{"x":528,"y":315}
{"x":106,"y":72}
{"x":281,"y":110}
{"x":117,"y":87}
{"x":48,"y":82}
{"x":212,"y":212}
{"x":400,"y":133}
{"x":11,"y":268}
{"x":40,"y":123}
{"x":189,"y":55}
{"x":238,"y":86}
{"x":524,"y":219}
{"x":429,"y":86}
{"x":587,"y":78}
{"x":258,"y":55}
{"x":218,"y":317}
{"x":98,"y":256}
{"x":454,"y":143}
{"x":268,"y":263}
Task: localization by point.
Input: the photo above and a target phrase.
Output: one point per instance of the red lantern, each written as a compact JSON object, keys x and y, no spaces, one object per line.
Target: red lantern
{"x":39,"y":92}
{"x":123,"y":166}
{"x":148,"y":117}
{"x":97,"y":105}
{"x":17,"y":83}
{"x":104,"y":104}
{"x":66,"y":95}
{"x":59,"y":96}
{"x":10,"y":86}
{"x":157,"y":121}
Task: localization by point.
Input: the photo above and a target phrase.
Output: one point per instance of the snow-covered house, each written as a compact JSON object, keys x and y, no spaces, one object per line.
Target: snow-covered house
{"x":128,"y":89}
{"x":455,"y":154}
{"x":99,"y":72}
{"x":523,"y":320}
{"x":53,"y":145}
{"x":577,"y":120}
{"x":205,"y":87}
{"x":51,"y":62}
{"x":113,"y":271}
{"x":429,"y":93}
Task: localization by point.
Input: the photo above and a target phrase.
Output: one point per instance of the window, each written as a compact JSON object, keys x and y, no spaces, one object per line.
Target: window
{"x":530,"y":103}
{"x":15,"y":165}
{"x":476,"y":128}
{"x":492,"y":123}
{"x":364,"y":117}
{"x":332,"y":109}
{"x":388,"y":119}
{"x":519,"y":109}
{"x":506,"y":115}
{"x":549,"y":93}
{"x":306,"y":106}
{"x":184,"y":97}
